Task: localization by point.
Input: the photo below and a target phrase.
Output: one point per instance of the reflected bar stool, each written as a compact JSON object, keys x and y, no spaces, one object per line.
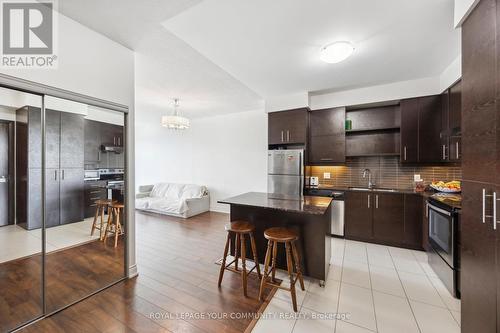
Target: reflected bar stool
{"x":288,"y":236}
{"x":240,"y":229}
{"x":101,"y":205}
{"x":114,"y":225}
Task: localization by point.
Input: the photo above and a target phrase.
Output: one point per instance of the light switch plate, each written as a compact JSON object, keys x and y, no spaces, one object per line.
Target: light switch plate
{"x":326,"y":175}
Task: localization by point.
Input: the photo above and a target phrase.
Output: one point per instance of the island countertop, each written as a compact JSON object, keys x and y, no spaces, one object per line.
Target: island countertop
{"x":304,"y":205}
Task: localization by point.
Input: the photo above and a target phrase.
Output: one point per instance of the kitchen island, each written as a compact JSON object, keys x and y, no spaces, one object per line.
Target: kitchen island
{"x":308,"y":215}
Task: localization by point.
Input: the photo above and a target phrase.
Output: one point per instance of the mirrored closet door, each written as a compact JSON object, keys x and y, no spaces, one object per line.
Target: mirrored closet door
{"x":62,"y":204}
{"x":21,"y":236}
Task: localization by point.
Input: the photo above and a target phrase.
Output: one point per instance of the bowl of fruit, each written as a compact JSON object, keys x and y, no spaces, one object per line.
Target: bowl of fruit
{"x":449,"y":187}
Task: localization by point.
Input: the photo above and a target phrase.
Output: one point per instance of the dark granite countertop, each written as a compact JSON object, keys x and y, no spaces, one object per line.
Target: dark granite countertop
{"x":450,"y":199}
{"x":304,"y":205}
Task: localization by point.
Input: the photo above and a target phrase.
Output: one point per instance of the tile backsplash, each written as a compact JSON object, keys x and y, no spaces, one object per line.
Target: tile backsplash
{"x":386,"y":172}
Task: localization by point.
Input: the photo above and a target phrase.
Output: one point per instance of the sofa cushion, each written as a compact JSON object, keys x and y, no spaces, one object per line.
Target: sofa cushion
{"x":191,"y":191}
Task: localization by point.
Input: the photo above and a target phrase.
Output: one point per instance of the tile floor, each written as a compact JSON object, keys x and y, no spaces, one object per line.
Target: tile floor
{"x":375,"y":288}
{"x":17,"y":242}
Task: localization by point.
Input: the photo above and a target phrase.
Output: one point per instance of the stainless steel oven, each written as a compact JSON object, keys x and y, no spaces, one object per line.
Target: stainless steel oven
{"x":442,"y":233}
{"x":444,"y":239}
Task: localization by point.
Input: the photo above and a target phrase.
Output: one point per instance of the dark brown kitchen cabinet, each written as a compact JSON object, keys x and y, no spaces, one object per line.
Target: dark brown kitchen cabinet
{"x":327,"y":136}
{"x":480,"y":261}
{"x":64,"y":167}
{"x":92,"y":137}
{"x":287,"y":127}
{"x":409,"y":130}
{"x":430,"y":149}
{"x":359,"y":215}
{"x":385,"y":218}
{"x":413,"y":216}
{"x":451,"y":123}
{"x":421,"y":130}
{"x":388,"y":217}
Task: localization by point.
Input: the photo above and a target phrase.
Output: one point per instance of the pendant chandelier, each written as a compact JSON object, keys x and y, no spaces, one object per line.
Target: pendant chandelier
{"x":175,"y":121}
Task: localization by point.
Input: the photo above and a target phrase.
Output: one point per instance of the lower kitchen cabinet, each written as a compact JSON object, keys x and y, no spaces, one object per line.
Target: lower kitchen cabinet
{"x":413,"y":220}
{"x":388,"y":217}
{"x":71,"y":195}
{"x":358,"y":215}
{"x":385,"y":218}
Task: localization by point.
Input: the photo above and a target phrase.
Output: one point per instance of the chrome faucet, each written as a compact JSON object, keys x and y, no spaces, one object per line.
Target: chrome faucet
{"x":369,"y":173}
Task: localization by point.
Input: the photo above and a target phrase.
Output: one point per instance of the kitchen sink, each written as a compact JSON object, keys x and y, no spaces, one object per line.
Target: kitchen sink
{"x":359,"y":189}
{"x":375,"y":189}
{"x":384,"y":190}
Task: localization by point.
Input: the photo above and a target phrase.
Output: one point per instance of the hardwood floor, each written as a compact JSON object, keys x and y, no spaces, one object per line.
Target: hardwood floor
{"x":71,"y":274}
{"x":176,"y":290}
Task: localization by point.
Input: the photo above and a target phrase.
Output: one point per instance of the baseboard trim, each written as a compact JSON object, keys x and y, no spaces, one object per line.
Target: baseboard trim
{"x":132,"y":271}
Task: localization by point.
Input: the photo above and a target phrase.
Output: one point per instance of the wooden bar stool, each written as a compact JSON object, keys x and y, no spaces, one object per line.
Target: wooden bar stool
{"x":101,"y":205}
{"x":240,"y":229}
{"x":114,"y":225}
{"x":287,"y":236}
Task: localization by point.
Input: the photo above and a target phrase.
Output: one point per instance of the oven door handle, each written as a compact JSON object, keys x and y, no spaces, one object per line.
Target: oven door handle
{"x":440,"y":210}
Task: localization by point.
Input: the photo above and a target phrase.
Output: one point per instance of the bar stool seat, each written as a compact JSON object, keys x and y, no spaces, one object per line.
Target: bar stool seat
{"x":114,"y":225}
{"x":240,"y":229}
{"x":279,"y":234}
{"x":287,"y":236}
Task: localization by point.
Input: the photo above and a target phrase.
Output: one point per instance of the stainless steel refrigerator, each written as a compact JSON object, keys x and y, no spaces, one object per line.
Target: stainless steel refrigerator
{"x":285,"y":172}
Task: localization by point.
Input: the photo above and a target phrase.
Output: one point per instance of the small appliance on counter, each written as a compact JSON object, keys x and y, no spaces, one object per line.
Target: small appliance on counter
{"x":314,"y":181}
{"x":444,"y":239}
{"x":337,"y":218}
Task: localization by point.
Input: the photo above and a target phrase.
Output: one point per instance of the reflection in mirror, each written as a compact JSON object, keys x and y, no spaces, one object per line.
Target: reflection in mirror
{"x":84,"y":197}
{"x":20,"y":209}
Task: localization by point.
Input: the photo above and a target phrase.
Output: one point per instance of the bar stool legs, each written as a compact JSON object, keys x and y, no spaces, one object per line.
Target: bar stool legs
{"x":240,"y":229}
{"x":288,"y":237}
{"x":114,"y":225}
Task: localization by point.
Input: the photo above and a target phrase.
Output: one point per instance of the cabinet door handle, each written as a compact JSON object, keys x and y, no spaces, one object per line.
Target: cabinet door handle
{"x":376,"y":201}
{"x":484,"y":205}
{"x":114,"y":140}
{"x":327,"y":159}
{"x":368,"y":201}
{"x":494,"y":210}
{"x":426,"y":210}
{"x":55,"y":174}
{"x":282,"y":138}
{"x":456,"y":147}
{"x":62,"y":175}
{"x":444,"y":152}
{"x":404,"y":153}
{"x":287,"y":136}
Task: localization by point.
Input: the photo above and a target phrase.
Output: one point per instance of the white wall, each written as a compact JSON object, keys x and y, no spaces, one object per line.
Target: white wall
{"x":89,"y":63}
{"x":227,"y":153}
{"x":462,"y":9}
{"x":379,"y":93}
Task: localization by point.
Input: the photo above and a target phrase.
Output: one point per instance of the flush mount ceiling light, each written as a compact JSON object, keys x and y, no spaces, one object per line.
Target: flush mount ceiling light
{"x":336,"y":52}
{"x":175,"y":121}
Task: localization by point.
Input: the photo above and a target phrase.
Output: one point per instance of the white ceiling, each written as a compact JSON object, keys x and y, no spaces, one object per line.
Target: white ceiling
{"x":221,"y":56}
{"x":166,"y":67}
{"x":273,"y":46}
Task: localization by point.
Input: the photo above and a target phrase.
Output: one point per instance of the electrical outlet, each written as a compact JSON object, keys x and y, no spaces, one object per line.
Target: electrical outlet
{"x":326,"y":175}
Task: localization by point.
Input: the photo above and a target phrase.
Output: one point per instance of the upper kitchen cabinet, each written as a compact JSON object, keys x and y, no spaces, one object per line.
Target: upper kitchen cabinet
{"x":92,"y":137}
{"x":287,"y":127}
{"x":409,"y":130}
{"x":373,"y":130}
{"x":327,"y":136}
{"x":429,"y":130}
{"x":452,"y":129}
{"x":421,"y":125}
{"x":72,"y":140}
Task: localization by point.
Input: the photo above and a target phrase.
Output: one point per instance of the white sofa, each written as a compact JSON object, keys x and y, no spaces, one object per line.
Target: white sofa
{"x":180,"y":200}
